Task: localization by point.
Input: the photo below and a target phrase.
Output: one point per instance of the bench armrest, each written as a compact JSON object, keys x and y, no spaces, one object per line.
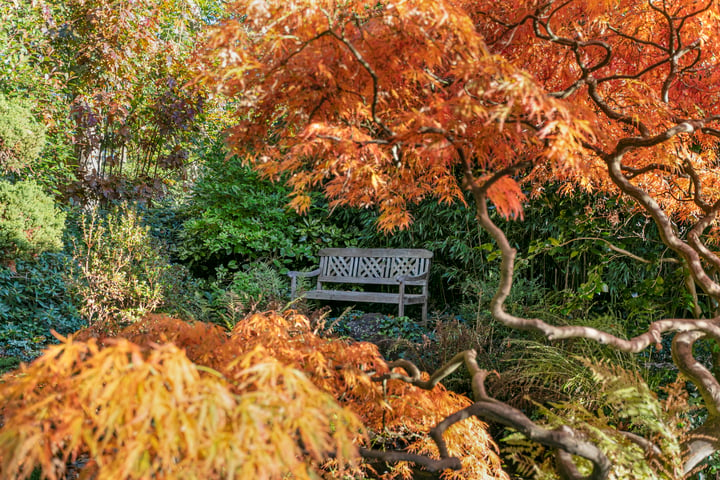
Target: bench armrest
{"x":314,"y":273}
{"x":294,"y":276}
{"x":411,"y":278}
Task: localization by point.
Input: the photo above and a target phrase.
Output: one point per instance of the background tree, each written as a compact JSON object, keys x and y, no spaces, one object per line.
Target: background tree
{"x":108,"y":77}
{"x":388,"y":104}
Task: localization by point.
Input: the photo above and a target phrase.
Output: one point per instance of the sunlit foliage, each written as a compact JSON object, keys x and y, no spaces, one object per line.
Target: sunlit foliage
{"x":269,"y":399}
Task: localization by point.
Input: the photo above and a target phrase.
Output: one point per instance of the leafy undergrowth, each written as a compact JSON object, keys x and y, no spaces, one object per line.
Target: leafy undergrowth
{"x":177,"y":400}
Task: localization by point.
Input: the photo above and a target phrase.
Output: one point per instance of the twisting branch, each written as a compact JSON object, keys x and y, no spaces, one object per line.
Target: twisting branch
{"x":689,"y":170}
{"x":695,"y":13}
{"x":283,"y":63}
{"x":665,"y":225}
{"x":703,"y":442}
{"x":564,"y":438}
{"x":430,"y":464}
{"x":635,"y":39}
{"x":650,"y":447}
{"x":656,"y":329}
{"x":414,"y":373}
{"x":705,"y":439}
{"x":629,"y":143}
{"x":708,"y":386}
{"x":595,"y":96}
{"x":576,"y":46}
{"x":486,"y":407}
{"x":696,"y":232}
{"x":631,"y":172}
{"x":549,"y":35}
{"x":375,"y":82}
{"x":504,"y":172}
{"x":673,"y":42}
{"x":671,"y":56}
{"x":672,"y":75}
{"x":686,"y":170}
{"x":587,"y":77}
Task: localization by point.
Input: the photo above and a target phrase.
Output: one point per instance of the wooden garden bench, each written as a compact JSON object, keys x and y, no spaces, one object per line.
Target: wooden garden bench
{"x":370,"y":266}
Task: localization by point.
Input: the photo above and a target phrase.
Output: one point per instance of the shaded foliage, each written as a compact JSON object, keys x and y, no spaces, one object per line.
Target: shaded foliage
{"x":34,"y":300}
{"x":234,"y":218}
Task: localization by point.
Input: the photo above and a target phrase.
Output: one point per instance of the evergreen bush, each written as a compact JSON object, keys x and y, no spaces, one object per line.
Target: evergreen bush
{"x":35,"y":300}
{"x":30,"y":223}
{"x":235,"y":218}
{"x":22,"y":137}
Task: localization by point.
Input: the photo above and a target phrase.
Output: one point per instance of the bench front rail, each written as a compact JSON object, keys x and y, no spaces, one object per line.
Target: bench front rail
{"x":370,"y":266}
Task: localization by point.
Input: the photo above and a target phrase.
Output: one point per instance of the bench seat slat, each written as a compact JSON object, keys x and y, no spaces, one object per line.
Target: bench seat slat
{"x":367,"y":280}
{"x":371,"y":297}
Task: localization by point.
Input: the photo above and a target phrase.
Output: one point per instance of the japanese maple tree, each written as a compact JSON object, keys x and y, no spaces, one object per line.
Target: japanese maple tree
{"x":387,"y":103}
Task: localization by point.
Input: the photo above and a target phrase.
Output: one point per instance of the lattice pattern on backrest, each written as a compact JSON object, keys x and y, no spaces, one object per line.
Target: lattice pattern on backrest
{"x":407,"y":266}
{"x":340,"y":266}
{"x":372,"y":267}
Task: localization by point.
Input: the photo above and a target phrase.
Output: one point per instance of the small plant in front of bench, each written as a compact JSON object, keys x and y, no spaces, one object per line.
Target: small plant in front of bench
{"x":370,"y":327}
{"x":404,"y":268}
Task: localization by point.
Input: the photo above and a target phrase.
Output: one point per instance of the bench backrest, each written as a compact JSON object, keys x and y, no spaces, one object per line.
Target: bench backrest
{"x":379,"y":266}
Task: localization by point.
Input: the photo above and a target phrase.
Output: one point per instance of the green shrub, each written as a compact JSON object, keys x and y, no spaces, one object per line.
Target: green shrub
{"x":235,"y":218}
{"x":21,"y":136}
{"x":29,"y":221}
{"x":124,"y":273}
{"x":35,"y":299}
{"x":230,"y":296}
{"x":259,"y":285}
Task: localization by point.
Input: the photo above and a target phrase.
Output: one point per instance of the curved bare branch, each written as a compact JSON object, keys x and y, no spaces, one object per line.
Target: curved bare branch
{"x":375,"y":81}
{"x":694,"y":236}
{"x":564,"y":438}
{"x":430,"y":464}
{"x":707,"y":384}
{"x":701,"y":443}
{"x":665,"y":225}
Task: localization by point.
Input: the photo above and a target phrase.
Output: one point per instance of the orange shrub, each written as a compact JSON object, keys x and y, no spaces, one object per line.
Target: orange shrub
{"x":152,"y":414}
{"x":270,"y":398}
